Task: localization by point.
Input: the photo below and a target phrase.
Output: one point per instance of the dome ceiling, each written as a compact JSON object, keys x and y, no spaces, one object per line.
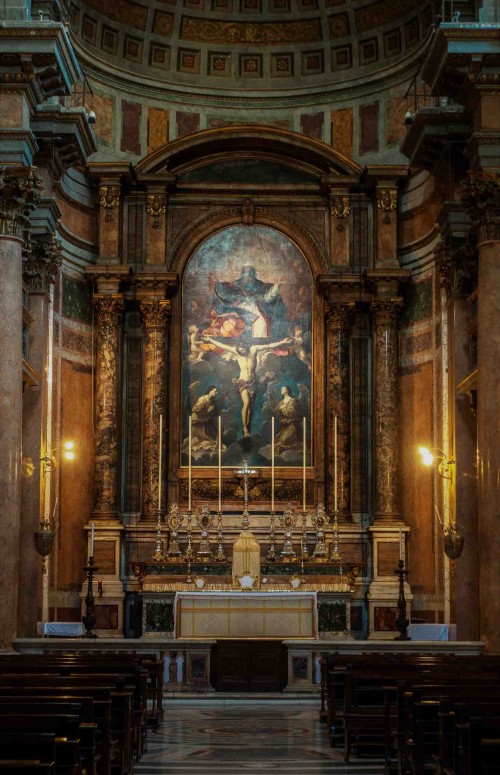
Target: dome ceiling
{"x":251,"y":44}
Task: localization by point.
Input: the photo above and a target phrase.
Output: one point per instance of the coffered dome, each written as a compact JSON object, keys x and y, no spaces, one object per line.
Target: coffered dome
{"x":250,"y":45}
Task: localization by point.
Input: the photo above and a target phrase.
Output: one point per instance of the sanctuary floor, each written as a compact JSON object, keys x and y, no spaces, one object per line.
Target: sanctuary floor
{"x":201,"y":737}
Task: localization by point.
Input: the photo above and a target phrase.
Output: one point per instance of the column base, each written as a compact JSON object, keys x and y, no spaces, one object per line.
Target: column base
{"x":383,"y":609}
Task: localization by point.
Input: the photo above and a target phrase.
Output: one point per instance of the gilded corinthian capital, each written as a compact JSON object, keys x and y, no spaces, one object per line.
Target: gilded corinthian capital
{"x":107,"y":308}
{"x":481,"y":198}
{"x":386,"y":311}
{"x":339,"y":314}
{"x":155,"y":313}
{"x":19,"y":193}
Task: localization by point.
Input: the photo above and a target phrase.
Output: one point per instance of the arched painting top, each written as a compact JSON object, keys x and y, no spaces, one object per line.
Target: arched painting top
{"x":291,"y":149}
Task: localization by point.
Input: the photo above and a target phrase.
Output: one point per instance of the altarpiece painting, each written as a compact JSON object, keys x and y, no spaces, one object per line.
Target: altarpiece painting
{"x":247,"y":349}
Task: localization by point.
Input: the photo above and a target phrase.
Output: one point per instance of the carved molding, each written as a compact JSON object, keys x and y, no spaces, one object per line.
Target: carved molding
{"x":387,"y":201}
{"x":41,"y":262}
{"x":19,"y":194}
{"x":156,"y":205}
{"x":386,"y":311}
{"x":109,"y":200}
{"x":259,"y":489}
{"x":340,"y":208}
{"x":481,"y":198}
{"x":155,"y":313}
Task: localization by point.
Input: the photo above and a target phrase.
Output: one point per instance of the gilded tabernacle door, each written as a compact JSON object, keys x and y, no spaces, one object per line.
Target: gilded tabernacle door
{"x":247,"y":349}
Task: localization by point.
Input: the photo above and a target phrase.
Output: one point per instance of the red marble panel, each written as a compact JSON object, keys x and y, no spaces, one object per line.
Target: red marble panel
{"x":187,"y":123}
{"x":311,"y":124}
{"x":131,"y":124}
{"x":368,"y":117}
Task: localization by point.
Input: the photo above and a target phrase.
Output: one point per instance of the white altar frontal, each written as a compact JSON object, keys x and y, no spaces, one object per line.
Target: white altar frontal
{"x":250,"y":615}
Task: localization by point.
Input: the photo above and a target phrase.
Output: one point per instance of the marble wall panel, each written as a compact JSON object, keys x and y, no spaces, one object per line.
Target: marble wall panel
{"x":416,"y":427}
{"x":157,"y":128}
{"x":11,"y":110}
{"x":342,"y":121}
{"x":77,"y":477}
{"x":104,"y":109}
{"x":131,"y":127}
{"x":77,"y":300}
{"x":395,"y":109}
{"x":187,"y":123}
{"x":417,"y":302}
{"x":311,"y":124}
{"x":369,"y":137}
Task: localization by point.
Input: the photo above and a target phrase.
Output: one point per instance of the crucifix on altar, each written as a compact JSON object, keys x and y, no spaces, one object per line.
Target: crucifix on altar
{"x":246,"y":473}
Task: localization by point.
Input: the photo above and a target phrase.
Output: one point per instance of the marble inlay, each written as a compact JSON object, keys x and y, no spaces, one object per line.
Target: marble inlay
{"x":228,"y":736}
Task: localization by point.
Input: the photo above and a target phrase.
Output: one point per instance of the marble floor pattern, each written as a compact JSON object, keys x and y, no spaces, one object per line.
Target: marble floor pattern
{"x":200,"y":738}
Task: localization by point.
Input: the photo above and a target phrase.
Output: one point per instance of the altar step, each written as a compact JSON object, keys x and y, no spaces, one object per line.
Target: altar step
{"x":228,"y":698}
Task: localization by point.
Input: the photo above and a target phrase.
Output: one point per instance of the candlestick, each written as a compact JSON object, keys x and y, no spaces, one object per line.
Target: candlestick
{"x":220,"y":464}
{"x":159,"y":463}
{"x":272,"y":464}
{"x":400,"y":544}
{"x":335,"y":475}
{"x":189,"y":461}
{"x":304,"y":466}
{"x":92,"y":541}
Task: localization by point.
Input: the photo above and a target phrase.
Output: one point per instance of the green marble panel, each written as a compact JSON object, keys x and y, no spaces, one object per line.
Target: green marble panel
{"x":417,"y":302}
{"x":332,"y":616}
{"x":77,"y":301}
{"x":159,"y":616}
{"x":245,"y":171}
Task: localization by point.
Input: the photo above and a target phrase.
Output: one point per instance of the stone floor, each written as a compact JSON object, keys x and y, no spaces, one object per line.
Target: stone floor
{"x":201,"y":737}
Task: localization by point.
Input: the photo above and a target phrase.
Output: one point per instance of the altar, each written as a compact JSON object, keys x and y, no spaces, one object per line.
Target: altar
{"x":240,"y":615}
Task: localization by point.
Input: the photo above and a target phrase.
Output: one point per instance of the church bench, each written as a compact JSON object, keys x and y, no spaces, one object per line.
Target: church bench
{"x":30,"y":752}
{"x":66,"y":731}
{"x":452,"y":714}
{"x":107,"y":741}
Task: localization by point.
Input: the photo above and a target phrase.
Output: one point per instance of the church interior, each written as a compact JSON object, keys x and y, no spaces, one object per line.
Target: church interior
{"x":249,"y":380}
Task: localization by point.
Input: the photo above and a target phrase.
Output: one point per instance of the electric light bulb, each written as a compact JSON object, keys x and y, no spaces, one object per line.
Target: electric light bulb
{"x":427,"y":456}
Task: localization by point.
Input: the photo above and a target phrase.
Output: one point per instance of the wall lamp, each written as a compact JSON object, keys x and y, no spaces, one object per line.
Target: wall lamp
{"x":68,"y":452}
{"x":445,"y":462}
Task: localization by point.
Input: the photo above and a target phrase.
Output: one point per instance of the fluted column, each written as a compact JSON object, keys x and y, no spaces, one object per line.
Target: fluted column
{"x":156,"y":315}
{"x":108,"y":310}
{"x":18,"y":192}
{"x":339,"y":316}
{"x":482,"y":200}
{"x":385,"y":318}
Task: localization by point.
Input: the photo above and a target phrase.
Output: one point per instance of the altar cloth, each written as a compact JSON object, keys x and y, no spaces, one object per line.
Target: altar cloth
{"x":252,"y":615}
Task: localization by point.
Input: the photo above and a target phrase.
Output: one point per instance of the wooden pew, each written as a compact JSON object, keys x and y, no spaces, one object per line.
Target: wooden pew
{"x":27,"y":752}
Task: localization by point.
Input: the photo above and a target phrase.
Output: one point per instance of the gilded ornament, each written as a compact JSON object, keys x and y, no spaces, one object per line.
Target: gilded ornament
{"x":387,"y":200}
{"x":248,"y":212}
{"x":339,"y":315}
{"x":107,"y":309}
{"x":19,"y":194}
{"x":386,"y":311}
{"x":244,"y":33}
{"x":155,"y":313}
{"x":340,"y":208}
{"x":156,"y":205}
{"x":109,"y":199}
{"x":41,"y":261}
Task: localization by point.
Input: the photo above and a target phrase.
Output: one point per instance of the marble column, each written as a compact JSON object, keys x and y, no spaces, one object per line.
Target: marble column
{"x":339,"y":316}
{"x":18,"y":192}
{"x":386,"y":425}
{"x":156,"y":315}
{"x":108,"y":310}
{"x":482,"y":200}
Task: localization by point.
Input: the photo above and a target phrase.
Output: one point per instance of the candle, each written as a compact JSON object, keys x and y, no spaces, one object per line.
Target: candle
{"x":220,"y":464}
{"x":92,"y":541}
{"x":400,"y":544}
{"x":272,"y":464}
{"x":335,"y":475}
{"x":189,"y":461}
{"x":304,"y":466}
{"x":159,"y":463}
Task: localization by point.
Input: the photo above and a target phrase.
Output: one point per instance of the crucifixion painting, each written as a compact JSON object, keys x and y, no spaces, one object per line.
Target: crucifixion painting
{"x":247,"y":332}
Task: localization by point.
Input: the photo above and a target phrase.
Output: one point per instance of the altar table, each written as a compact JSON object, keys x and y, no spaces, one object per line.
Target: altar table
{"x":225,"y":615}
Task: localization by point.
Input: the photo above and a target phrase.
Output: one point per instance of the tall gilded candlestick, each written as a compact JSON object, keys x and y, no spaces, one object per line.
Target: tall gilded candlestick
{"x":335,"y":467}
{"x":304,"y":464}
{"x":220,"y":465}
{"x":160,"y":462}
{"x":272,"y":465}
{"x":190,"y":433}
